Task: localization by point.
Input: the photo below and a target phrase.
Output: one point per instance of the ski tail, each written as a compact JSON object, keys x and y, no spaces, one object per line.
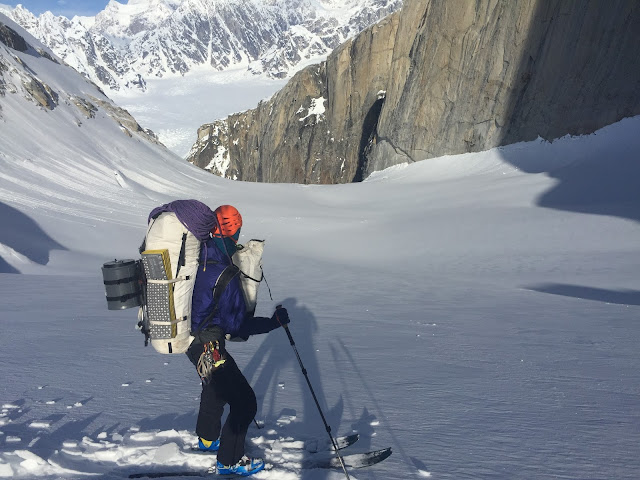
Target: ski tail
{"x":347,"y":441}
{"x":355,"y":460}
{"x":185,"y":473}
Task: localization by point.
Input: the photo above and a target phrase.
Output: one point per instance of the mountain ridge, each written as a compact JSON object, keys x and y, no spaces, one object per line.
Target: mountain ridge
{"x":126,"y":43}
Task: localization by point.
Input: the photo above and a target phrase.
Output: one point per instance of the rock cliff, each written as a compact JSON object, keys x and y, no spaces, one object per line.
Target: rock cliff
{"x":438,"y":78}
{"x":311,"y":130}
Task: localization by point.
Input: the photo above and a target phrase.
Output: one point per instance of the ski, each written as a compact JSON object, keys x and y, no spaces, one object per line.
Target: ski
{"x":355,"y":460}
{"x":312,"y":446}
{"x":341,"y":443}
{"x":185,"y":473}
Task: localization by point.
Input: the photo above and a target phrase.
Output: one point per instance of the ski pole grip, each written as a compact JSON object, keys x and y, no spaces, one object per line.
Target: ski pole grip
{"x":286,"y":327}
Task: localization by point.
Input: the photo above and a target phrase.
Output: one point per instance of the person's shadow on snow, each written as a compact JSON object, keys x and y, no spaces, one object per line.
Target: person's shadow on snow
{"x":276,"y":352}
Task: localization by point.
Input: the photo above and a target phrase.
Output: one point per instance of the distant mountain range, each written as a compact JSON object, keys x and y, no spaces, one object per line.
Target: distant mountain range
{"x":126,"y":44}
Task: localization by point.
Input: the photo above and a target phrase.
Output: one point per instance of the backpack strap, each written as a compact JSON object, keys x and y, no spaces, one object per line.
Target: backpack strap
{"x":181,"y":258}
{"x":225,"y":277}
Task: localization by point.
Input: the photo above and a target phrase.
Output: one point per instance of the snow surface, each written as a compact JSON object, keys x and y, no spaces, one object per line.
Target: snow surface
{"x":479,"y":313}
{"x":316,"y":108}
{"x":175,"y":107}
{"x":438,"y":308}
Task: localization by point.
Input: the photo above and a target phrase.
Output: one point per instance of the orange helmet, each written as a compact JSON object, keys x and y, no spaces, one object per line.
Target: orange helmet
{"x":228,"y":223}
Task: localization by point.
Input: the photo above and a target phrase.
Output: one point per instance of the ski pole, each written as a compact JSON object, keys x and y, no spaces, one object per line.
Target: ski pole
{"x":313,"y":394}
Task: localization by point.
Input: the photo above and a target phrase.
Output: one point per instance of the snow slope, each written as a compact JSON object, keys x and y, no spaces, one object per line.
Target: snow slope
{"x":175,"y":108}
{"x":437,"y":307}
{"x":477,"y":313}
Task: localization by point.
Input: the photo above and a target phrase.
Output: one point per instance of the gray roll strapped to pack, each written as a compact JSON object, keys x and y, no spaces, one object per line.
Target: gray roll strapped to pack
{"x":121,"y":283}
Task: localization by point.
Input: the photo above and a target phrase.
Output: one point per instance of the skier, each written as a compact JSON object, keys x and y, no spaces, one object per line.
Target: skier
{"x":214,"y":318}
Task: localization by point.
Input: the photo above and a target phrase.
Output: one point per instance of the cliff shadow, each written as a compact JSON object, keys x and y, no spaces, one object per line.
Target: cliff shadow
{"x":579,"y":73}
{"x":618,"y":297}
{"x":603,"y":186}
{"x":369,"y":130}
{"x":596,"y":174}
{"x":24,"y":236}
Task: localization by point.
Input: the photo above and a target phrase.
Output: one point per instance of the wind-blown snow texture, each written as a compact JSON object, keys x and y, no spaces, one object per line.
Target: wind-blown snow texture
{"x":478,"y":313}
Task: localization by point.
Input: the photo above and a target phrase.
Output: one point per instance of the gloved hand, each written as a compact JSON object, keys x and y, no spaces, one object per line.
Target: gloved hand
{"x":281,"y":316}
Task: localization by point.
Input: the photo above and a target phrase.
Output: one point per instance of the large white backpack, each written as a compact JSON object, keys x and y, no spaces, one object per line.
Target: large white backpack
{"x":161,"y":283}
{"x":170,"y":262}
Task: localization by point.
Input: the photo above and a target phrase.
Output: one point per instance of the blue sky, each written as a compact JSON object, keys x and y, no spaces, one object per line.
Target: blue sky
{"x":68,"y":8}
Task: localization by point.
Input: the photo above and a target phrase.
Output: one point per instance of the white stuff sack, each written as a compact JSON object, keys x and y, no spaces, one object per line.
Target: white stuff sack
{"x":249,"y":260}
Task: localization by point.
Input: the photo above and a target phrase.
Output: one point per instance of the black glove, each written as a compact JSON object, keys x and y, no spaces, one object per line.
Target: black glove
{"x":212,"y":334}
{"x":281,"y":316}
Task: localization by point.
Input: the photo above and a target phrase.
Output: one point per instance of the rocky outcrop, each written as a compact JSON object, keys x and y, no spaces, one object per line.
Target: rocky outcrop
{"x":87,"y":108}
{"x":37,"y":91}
{"x":122,"y":117}
{"x":18,"y":77}
{"x":11,"y":39}
{"x":440,"y":78}
{"x":313,"y":130}
{"x":41,"y":93}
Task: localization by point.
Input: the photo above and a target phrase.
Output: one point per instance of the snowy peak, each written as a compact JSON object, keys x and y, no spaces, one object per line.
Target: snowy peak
{"x":126,"y":20}
{"x":126,"y":43}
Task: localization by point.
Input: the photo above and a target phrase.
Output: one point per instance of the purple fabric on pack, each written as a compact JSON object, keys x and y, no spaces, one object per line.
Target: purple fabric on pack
{"x":197,"y":217}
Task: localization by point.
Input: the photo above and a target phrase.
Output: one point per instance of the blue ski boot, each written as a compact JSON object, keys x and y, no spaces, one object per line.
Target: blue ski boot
{"x":246,"y":466}
{"x":208,"y":445}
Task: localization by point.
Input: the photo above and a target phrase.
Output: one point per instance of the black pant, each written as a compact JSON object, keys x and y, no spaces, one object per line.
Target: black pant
{"x":227,"y":386}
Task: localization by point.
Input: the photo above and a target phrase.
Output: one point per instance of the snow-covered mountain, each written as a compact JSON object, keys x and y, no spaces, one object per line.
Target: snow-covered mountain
{"x":126,"y":43}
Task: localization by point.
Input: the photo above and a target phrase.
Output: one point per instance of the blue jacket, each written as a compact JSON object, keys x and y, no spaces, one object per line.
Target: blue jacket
{"x":231,"y":314}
